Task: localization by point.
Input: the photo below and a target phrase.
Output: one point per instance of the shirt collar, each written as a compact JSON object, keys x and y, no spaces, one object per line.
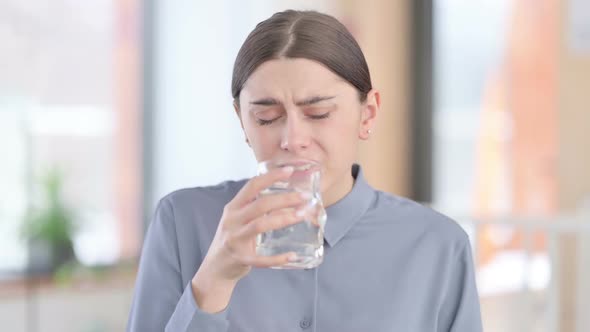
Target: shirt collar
{"x":345,"y":213}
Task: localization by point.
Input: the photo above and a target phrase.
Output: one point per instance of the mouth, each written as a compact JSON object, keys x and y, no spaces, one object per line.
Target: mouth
{"x":301,"y":165}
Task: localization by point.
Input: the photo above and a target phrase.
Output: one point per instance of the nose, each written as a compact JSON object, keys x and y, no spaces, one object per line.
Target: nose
{"x":296,"y":135}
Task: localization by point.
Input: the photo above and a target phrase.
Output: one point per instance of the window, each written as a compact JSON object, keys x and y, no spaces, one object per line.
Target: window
{"x":70,"y":99}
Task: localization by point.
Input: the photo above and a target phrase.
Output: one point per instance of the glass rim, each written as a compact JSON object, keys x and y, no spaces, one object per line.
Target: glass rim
{"x":267,"y":165}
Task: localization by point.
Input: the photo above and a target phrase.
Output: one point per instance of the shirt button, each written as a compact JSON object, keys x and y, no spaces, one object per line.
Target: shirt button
{"x":305,"y":323}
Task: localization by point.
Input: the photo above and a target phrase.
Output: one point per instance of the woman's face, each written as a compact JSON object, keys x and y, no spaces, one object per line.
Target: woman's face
{"x":296,"y":109}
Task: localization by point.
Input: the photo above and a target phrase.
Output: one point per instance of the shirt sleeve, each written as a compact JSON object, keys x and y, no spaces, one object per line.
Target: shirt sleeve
{"x":460,"y":309}
{"x":161,"y":302}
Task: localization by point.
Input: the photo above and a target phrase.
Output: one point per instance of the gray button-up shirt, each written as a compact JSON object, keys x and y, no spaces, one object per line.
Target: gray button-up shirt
{"x":390,"y":264}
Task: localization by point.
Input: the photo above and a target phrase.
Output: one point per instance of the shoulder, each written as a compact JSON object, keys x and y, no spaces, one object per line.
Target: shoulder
{"x":201,"y":196}
{"x":194,"y":213}
{"x":420,"y":219}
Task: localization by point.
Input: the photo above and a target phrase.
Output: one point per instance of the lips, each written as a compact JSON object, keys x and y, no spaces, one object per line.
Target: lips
{"x":295,"y":162}
{"x":301,"y":165}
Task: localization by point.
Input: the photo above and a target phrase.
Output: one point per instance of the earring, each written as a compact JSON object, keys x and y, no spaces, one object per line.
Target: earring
{"x":369,"y":131}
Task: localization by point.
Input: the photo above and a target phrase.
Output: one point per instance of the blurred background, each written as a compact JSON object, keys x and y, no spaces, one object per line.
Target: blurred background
{"x":107,"y":105}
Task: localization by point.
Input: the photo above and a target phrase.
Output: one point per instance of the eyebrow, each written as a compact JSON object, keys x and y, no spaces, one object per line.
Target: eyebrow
{"x":305,"y":102}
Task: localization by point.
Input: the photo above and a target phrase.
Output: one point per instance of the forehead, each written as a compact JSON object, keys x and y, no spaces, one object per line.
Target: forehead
{"x":295,"y":76}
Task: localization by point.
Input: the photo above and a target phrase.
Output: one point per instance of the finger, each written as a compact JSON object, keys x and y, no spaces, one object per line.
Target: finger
{"x":270,"y":261}
{"x":270,"y":222}
{"x":309,"y":215}
{"x":269,"y":203}
{"x":253,"y":187}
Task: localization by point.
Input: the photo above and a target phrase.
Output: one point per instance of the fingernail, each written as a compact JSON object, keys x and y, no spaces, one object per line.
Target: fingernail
{"x":305,"y":195}
{"x":287,"y":169}
{"x":300,"y":213}
{"x":292,"y":257}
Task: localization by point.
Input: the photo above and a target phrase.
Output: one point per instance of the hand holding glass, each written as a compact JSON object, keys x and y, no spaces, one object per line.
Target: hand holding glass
{"x":306,"y":238}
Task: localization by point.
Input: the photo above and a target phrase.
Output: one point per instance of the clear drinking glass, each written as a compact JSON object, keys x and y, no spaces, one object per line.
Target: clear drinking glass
{"x":306,"y":238}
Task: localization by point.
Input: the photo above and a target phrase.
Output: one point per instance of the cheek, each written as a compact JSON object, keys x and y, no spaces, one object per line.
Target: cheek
{"x":263,"y":141}
{"x":338,"y":140}
{"x":344,"y":131}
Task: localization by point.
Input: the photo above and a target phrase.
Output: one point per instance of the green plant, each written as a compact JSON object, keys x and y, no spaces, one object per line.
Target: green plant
{"x":51,"y":226}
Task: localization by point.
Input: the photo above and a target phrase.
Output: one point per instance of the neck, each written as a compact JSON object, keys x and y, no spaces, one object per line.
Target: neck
{"x":340,"y":189}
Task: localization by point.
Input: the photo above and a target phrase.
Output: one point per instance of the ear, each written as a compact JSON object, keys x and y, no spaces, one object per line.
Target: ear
{"x":369,"y":111}
{"x":239,"y":114}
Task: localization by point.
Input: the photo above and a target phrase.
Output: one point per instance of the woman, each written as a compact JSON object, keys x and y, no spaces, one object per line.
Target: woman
{"x":302,"y":90}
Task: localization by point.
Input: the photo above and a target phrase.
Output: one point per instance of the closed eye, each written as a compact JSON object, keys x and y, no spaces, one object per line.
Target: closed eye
{"x":264,"y":122}
{"x":319,"y":116}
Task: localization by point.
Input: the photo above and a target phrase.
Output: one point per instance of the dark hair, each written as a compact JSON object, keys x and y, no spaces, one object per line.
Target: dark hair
{"x":303,"y":34}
